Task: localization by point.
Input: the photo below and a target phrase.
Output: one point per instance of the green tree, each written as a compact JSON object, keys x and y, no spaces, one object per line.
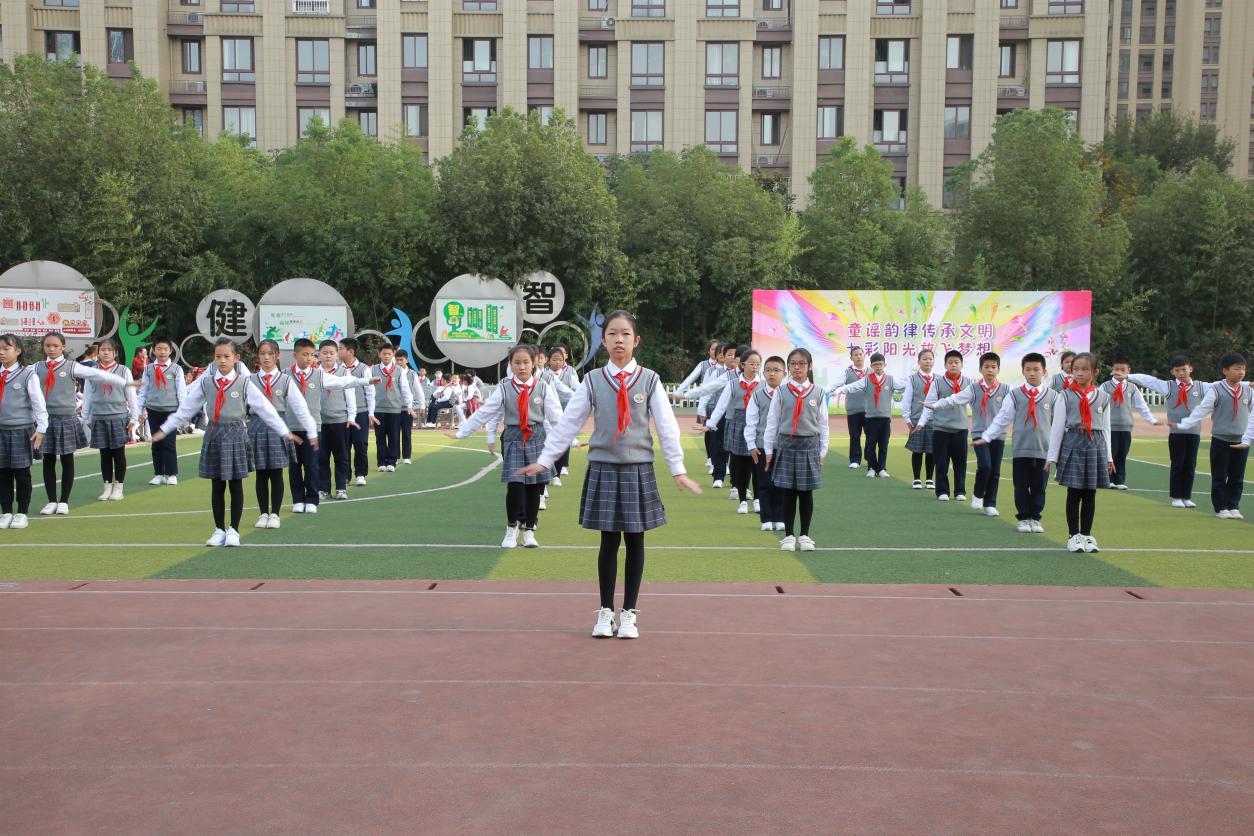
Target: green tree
{"x":116,"y":256}
{"x":1136,"y":153}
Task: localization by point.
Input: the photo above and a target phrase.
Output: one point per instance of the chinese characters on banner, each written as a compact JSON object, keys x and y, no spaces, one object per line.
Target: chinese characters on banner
{"x":893,"y":339}
{"x":33,"y":313}
{"x":225,"y":313}
{"x":542,"y":297}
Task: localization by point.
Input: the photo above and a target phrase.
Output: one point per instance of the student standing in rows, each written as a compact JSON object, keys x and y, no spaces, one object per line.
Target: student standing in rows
{"x":274,"y":452}
{"x":1124,"y":398}
{"x":337,"y":410}
{"x":225,"y":453}
{"x":58,"y":375}
{"x":528,"y":408}
{"x":1079,"y":444}
{"x":1030,"y":410}
{"x":420,"y":406}
{"x":393,"y":402}
{"x":1229,"y":403}
{"x":728,"y":371}
{"x":160,"y":393}
{"x":1062,"y":379}
{"x":620,"y":494}
{"x":796,"y":444}
{"x":855,"y":406}
{"x":111,"y":411}
{"x":949,"y":438}
{"x":23,"y":421}
{"x":700,"y":375}
{"x":732,"y":403}
{"x":919,"y":443}
{"x":1184,"y":395}
{"x":566,"y":380}
{"x":359,"y":422}
{"x":768,"y":500}
{"x":985,"y":397}
{"x":876,"y":392}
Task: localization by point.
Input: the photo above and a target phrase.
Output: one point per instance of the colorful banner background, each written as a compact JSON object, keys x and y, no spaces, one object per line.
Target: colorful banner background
{"x":900,"y":323}
{"x":287,"y":323}
{"x":34,"y":312}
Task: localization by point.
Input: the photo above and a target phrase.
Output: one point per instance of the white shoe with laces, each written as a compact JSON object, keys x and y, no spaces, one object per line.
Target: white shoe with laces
{"x":1075,"y":543}
{"x":298,"y":507}
{"x":49,"y":509}
{"x":19,"y":521}
{"x":883,"y":474}
{"x":805,"y":544}
{"x":407,"y":461}
{"x":944,"y":497}
{"x":757,"y":506}
{"x":788,"y":544}
{"x":627,"y":624}
{"x":990,"y":511}
{"x":916,"y":485}
{"x":341,"y":494}
{"x":544,"y":503}
{"x":311,"y":508}
{"x":511,"y":538}
{"x":107,"y":493}
{"x":1177,"y":503}
{"x":263,"y":521}
{"x":383,"y":468}
{"x":1024,"y":527}
{"x":1234,"y":514}
{"x":742,"y":508}
{"x":1037,"y":528}
{"x":977,"y":504}
{"x":157,"y":480}
{"x":718,"y":483}
{"x":1090,"y":544}
{"x":604,"y":628}
{"x":766,"y":526}
{"x":1188,"y":503}
{"x":557,"y":482}
{"x":733,"y":495}
{"x":171,"y":480}
{"x":63,"y":508}
{"x":930,"y":484}
{"x":779,"y":526}
{"x":962,"y":497}
{"x":529,"y":540}
{"x":116,"y":494}
{"x":6,"y":520}
{"x":273,"y":522}
{"x":360,"y":481}
{"x":218,"y":538}
{"x":855,"y":465}
{"x":232,"y":538}
{"x":1225,"y":514}
{"x":870,"y":474}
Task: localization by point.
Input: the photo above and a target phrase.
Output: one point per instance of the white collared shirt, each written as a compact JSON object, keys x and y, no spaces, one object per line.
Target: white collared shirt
{"x":724,"y":400}
{"x":1059,"y":428}
{"x":256,"y":399}
{"x":492,"y":412}
{"x":773,"y":419}
{"x":169,"y":370}
{"x":34,"y":391}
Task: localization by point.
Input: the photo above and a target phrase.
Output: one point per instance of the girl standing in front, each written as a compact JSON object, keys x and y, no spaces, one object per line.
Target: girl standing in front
{"x":620,"y":494}
{"x":733,"y":403}
{"x":1079,"y":443}
{"x":272,"y":452}
{"x":796,"y":445}
{"x":111,"y":410}
{"x":23,"y":420}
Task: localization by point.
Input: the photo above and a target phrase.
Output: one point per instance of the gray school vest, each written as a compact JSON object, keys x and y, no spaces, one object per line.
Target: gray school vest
{"x":1057,"y":380}
{"x":106,"y":404}
{"x":635,"y":444}
{"x":333,"y":409}
{"x":165,"y":399}
{"x":387,"y":400}
{"x":279,"y":390}
{"x":1176,"y":414}
{"x":1099,"y":406}
{"x":312,"y":394}
{"x":980,"y":422}
{"x":234,"y":405}
{"x":950,"y":418}
{"x":358,"y":394}
{"x":567,"y":378}
{"x":60,"y":398}
{"x":885,"y":407}
{"x":1224,"y":425}
{"x":1120,"y":414}
{"x":736,"y":403}
{"x":855,"y":402}
{"x":814,"y":411}
{"x":708,"y":371}
{"x":1029,"y":441}
{"x":15,"y":409}
{"x":535,"y":409}
{"x":762,"y":397}
{"x":918,"y":393}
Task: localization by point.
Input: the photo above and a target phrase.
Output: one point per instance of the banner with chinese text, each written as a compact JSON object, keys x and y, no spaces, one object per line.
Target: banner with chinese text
{"x":476,"y":320}
{"x":33,"y":313}
{"x":287,"y":323}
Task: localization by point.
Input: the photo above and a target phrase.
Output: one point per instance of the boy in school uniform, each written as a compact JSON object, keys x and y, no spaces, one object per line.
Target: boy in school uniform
{"x":949,"y":436}
{"x":1229,"y":403}
{"x":161,"y":392}
{"x":1030,"y":410}
{"x":1124,"y":398}
{"x":700,"y":375}
{"x":1184,"y":394}
{"x":420,"y":406}
{"x":875,"y":391}
{"x":985,"y":397}
{"x":361,"y":420}
{"x":337,"y":420}
{"x":729,"y":371}
{"x":393,"y":402}
{"x":1061,"y":380}
{"x":855,"y":406}
{"x":770,"y":502}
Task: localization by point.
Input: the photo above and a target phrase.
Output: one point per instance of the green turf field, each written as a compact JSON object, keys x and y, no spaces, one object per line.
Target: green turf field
{"x":442,"y":517}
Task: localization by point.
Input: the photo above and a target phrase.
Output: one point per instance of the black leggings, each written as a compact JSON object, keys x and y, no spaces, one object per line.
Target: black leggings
{"x":113,"y":464}
{"x":792,"y":499}
{"x":926,"y":459}
{"x":67,"y":476}
{"x":633,"y":570}
{"x":270,"y":490}
{"x":1081,"y":506}
{"x":742,"y":474}
{"x":219,"y":502}
{"x":522,"y":504}
{"x":11,"y":477}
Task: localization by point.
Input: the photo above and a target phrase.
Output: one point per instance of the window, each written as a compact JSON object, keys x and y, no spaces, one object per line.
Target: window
{"x":191,"y":58}
{"x":479,"y":5}
{"x":1073,"y":117}
{"x":194,"y":118}
{"x":1010,"y":4}
{"x":414,"y":52}
{"x":365,"y":4}
{"x":722,"y":64}
{"x":243,"y":8}
{"x":479,"y":61}
{"x":598,"y":5}
{"x":892,"y":7}
{"x":1123,"y":89}
{"x":366,"y":63}
{"x":646,"y":130}
{"x":61,"y":46}
{"x":597,"y":125}
{"x":241,"y":121}
{"x":540,"y":52}
{"x":1006,"y":60}
{"x":369,"y":122}
{"x":1210,"y":54}
{"x":1149,"y":8}
{"x":772,"y":5}
{"x":959,"y":52}
{"x":892,"y":64}
{"x":1125,"y":34}
{"x":1125,"y":60}
{"x":415,"y":120}
{"x":1168,"y":61}
{"x":1145,"y":90}
{"x":1145,"y":61}
{"x":121,"y":46}
{"x":831,"y":53}
{"x":477,"y":117}
{"x":66,"y":3}
{"x":720,"y":131}
{"x":648,"y":8}
{"x":1066,"y":7}
{"x":771,"y":128}
{"x":831,"y":121}
{"x":1147,"y":34}
{"x":1211,"y":25}
{"x":722,"y":8}
{"x":313,"y":62}
{"x":772,"y":61}
{"x":306,"y":115}
{"x":598,"y":62}
{"x":890,"y":131}
{"x":545,"y":112}
{"x":1062,"y":62}
{"x":237,"y":60}
{"x":957,"y":123}
{"x":647,"y":65}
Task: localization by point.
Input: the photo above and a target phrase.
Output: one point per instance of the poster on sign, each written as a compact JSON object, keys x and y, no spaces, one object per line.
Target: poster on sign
{"x":900,"y":323}
{"x":285,"y":324}
{"x":476,"y":320}
{"x":34,"y":312}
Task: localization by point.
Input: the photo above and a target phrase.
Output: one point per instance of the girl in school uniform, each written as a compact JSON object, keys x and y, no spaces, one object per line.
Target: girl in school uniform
{"x":528,"y":407}
{"x":876,"y":390}
{"x":620,"y":494}
{"x":58,"y":376}
{"x":23,"y":421}
{"x":796,"y":446}
{"x":919,"y":443}
{"x":766,"y":499}
{"x":272,"y":452}
{"x":565,"y":380}
{"x":111,"y":410}
{"x":226,"y":457}
{"x":1079,"y":444}
{"x":160,"y":393}
{"x":733,"y":402}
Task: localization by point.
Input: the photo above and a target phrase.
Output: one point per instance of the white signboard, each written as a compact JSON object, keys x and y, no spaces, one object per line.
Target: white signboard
{"x":225,"y":313}
{"x":542,"y":297}
{"x":285,"y":324}
{"x":33,"y":313}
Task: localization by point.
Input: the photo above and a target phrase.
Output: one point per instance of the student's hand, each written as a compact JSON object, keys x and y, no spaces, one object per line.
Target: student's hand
{"x":927,"y":405}
{"x":374,"y":422}
{"x":1110,"y":468}
{"x":157,"y":436}
{"x":909,"y":426}
{"x":1048,"y":465}
{"x":130,"y":428}
{"x":1173,"y":426}
{"x":675,"y":396}
{"x":685,"y":484}
{"x":36,"y":440}
{"x":978,"y":442}
{"x":375,"y":380}
{"x":915,"y":428}
{"x":701,"y":428}
{"x":754,"y":454}
{"x":294,"y":438}
{"x":454,"y":436}
{"x":821,"y":460}
{"x":411,"y":413}
{"x":313,"y":444}
{"x":769,"y":456}
{"x":1240,"y":447}
{"x":492,"y":448}
{"x":530,"y":470}
{"x":353,"y":425}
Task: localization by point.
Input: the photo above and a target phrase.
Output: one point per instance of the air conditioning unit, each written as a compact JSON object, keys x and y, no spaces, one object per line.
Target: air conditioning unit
{"x":607,"y":23}
{"x":763,"y":159}
{"x":1016,"y":92}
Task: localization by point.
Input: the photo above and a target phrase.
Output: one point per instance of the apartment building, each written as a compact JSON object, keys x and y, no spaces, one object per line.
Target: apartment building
{"x":768,"y":84}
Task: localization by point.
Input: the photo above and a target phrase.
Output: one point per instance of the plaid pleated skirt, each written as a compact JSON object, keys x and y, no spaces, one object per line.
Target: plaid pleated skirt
{"x":65,"y":435}
{"x":733,"y":426}
{"x":920,"y":442}
{"x":16,"y":452}
{"x":109,"y":433}
{"x":517,"y":454}
{"x":1082,"y":460}
{"x":621,"y":497}
{"x":226,"y":452}
{"x":796,"y":463}
{"x":271,"y":451}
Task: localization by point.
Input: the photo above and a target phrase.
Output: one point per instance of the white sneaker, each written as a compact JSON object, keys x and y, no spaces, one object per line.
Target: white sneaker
{"x":855,"y":465}
{"x":50,"y":508}
{"x":311,"y":508}
{"x":788,"y":544}
{"x":627,"y":625}
{"x":408,"y":461}
{"x":977,"y":504}
{"x":757,"y":506}
{"x":709,"y":468}
{"x":529,"y":540}
{"x":1075,"y":543}
{"x":962,"y":497}
{"x":6,"y":520}
{"x":1090,"y":544}
{"x":391,"y":468}
{"x":916,"y":485}
{"x":63,"y":508}
{"x":556,"y":481}
{"x":805,"y":544}
{"x":544,"y":503}
{"x":990,"y":511}
{"x":870,"y":473}
{"x":1225,"y":514}
{"x":944,"y":497}
{"x":19,"y":521}
{"x":157,"y":480}
{"x":383,"y":468}
{"x":734,"y":495}
{"x":604,"y":628}
{"x":565,"y":471}
{"x":273,"y":522}
{"x":107,"y":493}
{"x":232,"y":537}
{"x":930,"y":484}
{"x":171,"y":480}
{"x":1178,"y":503}
{"x":779,"y":526}
{"x":766,"y":526}
{"x":1234,"y":514}
{"x":883,"y":474}
{"x":1024,"y":527}
{"x":298,"y":507}
{"x":263,"y":521}
{"x":360,"y":481}
{"x":742,"y":508}
{"x":341,"y":494}
{"x":1120,"y":487}
{"x":217,"y":539}
{"x":1188,"y":503}
{"x":116,"y":494}
{"x":718,"y":483}
{"x":429,"y":425}
{"x":1037,"y":528}
{"x":511,"y":538}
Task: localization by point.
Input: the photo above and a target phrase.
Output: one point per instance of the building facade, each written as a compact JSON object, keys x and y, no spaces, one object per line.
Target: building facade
{"x":768,"y":84}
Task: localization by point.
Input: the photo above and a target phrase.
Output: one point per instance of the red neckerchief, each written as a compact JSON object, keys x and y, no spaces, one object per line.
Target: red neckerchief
{"x":987,"y":391}
{"x":107,"y":388}
{"x":879,"y":385}
{"x":859,"y":373}
{"x":1086,"y":408}
{"x":1236,"y":397}
{"x":387,"y":373}
{"x":50,"y":380}
{"x":927,"y":382}
{"x":954,"y":381}
{"x":1030,"y":394}
{"x":224,"y":383}
{"x":1183,"y":398}
{"x":300,"y":374}
{"x":748,"y":390}
{"x":800,"y":403}
{"x":624,"y":407}
{"x":524,"y":405}
{"x":265,"y":382}
{"x":1116,"y":394}
{"x":4,"y":379}
{"x":1068,"y":382}
{"x":158,"y":376}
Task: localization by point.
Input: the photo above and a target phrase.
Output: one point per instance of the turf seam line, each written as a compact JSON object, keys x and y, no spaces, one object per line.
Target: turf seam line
{"x":710,"y":548}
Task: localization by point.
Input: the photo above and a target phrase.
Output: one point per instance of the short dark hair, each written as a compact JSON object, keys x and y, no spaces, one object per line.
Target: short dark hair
{"x":1032,"y":357}
{"x":1178,"y":360}
{"x":854,"y":348}
{"x":775,"y":358}
{"x":721,"y":349}
{"x":387,"y":347}
{"x":990,"y":355}
{"x":877,"y":358}
{"x":1067,"y":354}
{"x":303,"y":342}
{"x":326,"y":343}
{"x":953,"y":352}
{"x":349,"y":343}
{"x":221,"y":341}
{"x":925,"y":351}
{"x":163,"y":339}
{"x":1232,"y":358}
{"x":400,"y":352}
{"x":559,"y":347}
{"x":1121,"y":360}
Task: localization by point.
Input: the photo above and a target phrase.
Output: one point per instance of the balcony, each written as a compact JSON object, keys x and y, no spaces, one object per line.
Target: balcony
{"x":892,"y":73}
{"x":361,"y":21}
{"x":478,"y":75}
{"x":772,"y":92}
{"x":360,"y":89}
{"x":187,"y":86}
{"x":1012,"y":92}
{"x":889,"y":143}
{"x":1014,"y":22}
{"x":311,"y":7}
{"x":602,"y":22}
{"x":771,"y":160}
{"x":597,"y":91}
{"x":185,"y":18}
{"x":774,"y":24}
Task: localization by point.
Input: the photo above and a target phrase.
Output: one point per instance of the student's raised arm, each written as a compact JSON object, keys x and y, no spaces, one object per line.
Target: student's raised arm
{"x":1202,"y":410}
{"x":1003,"y":419}
{"x":1162,"y":387}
